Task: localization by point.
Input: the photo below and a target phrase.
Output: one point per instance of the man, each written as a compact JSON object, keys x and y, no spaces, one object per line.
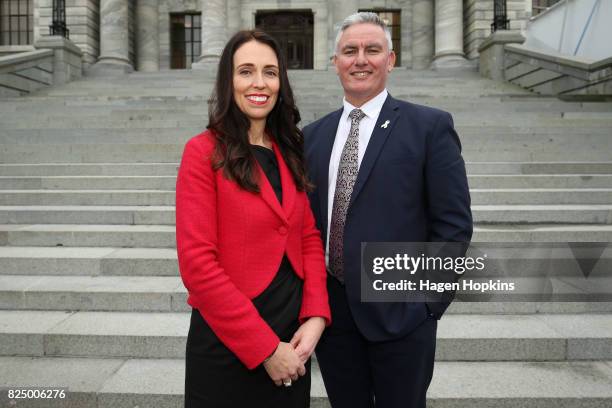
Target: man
{"x":385,"y":171}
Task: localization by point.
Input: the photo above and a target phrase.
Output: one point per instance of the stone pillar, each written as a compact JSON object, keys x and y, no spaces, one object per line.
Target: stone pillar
{"x":147,"y":36}
{"x":234,"y":22}
{"x":449,"y":34}
{"x":422,"y":33}
{"x":214,"y":33}
{"x":339,"y":11}
{"x":114,"y":38}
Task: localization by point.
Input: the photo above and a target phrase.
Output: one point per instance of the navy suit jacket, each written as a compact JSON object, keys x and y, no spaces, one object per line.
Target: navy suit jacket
{"x":411,"y":187}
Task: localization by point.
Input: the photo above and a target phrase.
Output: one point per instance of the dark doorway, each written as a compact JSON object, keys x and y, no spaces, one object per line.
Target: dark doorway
{"x":294,"y":32}
{"x":185,"y":40}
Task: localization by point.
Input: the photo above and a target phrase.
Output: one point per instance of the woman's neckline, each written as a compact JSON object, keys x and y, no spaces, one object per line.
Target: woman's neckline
{"x":263,"y":147}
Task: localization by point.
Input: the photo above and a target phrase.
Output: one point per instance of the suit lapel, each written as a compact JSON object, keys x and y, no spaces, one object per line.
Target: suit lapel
{"x":386,"y":121}
{"x":328,"y":135}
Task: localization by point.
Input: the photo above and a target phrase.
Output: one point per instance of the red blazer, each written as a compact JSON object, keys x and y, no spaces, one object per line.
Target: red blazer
{"x":230,"y":243}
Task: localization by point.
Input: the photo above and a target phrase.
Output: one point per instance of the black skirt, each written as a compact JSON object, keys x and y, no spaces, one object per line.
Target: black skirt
{"x":214,"y":377}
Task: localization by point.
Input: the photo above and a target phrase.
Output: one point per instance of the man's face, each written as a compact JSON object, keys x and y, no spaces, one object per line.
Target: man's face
{"x":363,"y":62}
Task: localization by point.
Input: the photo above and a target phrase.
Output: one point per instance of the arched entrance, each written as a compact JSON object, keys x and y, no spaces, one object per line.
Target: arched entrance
{"x":293,"y":29}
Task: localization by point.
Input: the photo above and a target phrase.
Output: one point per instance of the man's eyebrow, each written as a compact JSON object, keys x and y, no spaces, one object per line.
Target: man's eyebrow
{"x":374,"y":45}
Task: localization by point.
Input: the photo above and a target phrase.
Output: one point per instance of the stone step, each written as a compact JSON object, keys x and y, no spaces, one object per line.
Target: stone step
{"x":127,"y":383}
{"x":93,"y":169}
{"x":83,"y":235}
{"x":161,"y":261}
{"x":495,"y":116}
{"x":166,"y":197}
{"x":163,"y":236}
{"x":460,"y":108}
{"x":88,"y":261}
{"x":542,"y":233}
{"x":68,"y":119}
{"x":91,"y":153}
{"x":541,"y":196}
{"x":516,"y":140}
{"x":169,"y":169}
{"x":194,"y":105}
{"x":541,"y":214}
{"x":171,"y":152}
{"x":164,"y":215}
{"x":167,"y":294}
{"x":541,"y":337}
{"x":107,"y":215}
{"x":489,"y":181}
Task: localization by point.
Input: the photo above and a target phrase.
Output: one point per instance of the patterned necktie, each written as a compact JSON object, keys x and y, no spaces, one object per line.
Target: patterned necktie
{"x":345,"y":180}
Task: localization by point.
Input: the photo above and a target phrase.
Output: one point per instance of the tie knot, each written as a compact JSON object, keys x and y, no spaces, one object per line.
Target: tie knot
{"x":356,"y":115}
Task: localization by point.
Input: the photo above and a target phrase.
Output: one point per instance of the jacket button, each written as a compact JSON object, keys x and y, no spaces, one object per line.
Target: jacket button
{"x":282,"y":230}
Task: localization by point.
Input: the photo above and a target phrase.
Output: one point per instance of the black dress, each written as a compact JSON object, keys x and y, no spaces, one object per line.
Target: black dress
{"x":214,"y":377}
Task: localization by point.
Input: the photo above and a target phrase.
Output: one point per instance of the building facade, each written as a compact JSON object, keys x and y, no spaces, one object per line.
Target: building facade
{"x":151,"y":35}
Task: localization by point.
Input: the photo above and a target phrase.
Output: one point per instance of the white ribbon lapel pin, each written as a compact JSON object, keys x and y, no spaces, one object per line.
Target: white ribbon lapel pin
{"x":384,"y":125}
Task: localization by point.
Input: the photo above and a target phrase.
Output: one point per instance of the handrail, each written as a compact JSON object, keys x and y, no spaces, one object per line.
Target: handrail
{"x":586,"y":26}
{"x":21,"y":57}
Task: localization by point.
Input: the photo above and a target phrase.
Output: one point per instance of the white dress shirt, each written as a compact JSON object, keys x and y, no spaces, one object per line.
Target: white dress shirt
{"x":371,"y":109}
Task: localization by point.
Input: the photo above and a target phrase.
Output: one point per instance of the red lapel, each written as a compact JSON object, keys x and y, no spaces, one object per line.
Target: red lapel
{"x":288,"y":186}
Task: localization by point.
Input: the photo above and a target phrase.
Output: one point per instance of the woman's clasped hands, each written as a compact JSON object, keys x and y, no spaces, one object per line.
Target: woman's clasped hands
{"x":287,"y":363}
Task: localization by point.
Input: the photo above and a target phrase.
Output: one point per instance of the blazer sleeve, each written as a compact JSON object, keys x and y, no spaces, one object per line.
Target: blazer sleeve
{"x":230,"y":314}
{"x":448,"y":198}
{"x":448,"y":195}
{"x":314,"y":300}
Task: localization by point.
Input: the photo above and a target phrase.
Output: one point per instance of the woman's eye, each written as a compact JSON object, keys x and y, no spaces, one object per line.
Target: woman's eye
{"x":244,"y":72}
{"x":271,"y":73}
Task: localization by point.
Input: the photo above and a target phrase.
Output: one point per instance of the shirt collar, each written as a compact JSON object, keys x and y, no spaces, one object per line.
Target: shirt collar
{"x":371,"y":108}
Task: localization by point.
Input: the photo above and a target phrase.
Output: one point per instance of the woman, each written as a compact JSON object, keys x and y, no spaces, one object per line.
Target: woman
{"x":249,"y":253}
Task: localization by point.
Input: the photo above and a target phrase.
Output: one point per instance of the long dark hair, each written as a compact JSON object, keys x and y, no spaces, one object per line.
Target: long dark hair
{"x":230,"y":125}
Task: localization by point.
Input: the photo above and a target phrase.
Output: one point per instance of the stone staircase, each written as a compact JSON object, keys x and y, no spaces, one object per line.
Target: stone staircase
{"x":90,"y":296}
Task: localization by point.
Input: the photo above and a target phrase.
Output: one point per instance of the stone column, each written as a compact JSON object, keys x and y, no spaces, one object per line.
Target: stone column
{"x":114,"y":38}
{"x":339,"y":11}
{"x":234,"y":22}
{"x":449,"y":34}
{"x":422,"y":33}
{"x":214,"y":33}
{"x":147,"y":36}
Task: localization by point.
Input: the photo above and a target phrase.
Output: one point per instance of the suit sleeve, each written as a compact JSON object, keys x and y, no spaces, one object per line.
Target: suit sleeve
{"x":229,"y":313}
{"x":448,"y":194}
{"x":448,"y":199}
{"x":315,"y":300}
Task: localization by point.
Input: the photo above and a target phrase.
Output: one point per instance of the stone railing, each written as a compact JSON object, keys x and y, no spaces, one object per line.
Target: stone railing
{"x":502,"y":57}
{"x":54,"y":61}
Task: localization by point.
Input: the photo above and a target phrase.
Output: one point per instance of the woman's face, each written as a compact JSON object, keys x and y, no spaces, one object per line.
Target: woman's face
{"x":256,"y":79}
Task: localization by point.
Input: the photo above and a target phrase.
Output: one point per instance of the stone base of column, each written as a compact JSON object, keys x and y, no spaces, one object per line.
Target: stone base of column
{"x":452,"y":61}
{"x":110,"y":67}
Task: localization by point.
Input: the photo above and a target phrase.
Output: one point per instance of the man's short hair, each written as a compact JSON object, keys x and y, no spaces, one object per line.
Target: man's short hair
{"x":360,"y":18}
